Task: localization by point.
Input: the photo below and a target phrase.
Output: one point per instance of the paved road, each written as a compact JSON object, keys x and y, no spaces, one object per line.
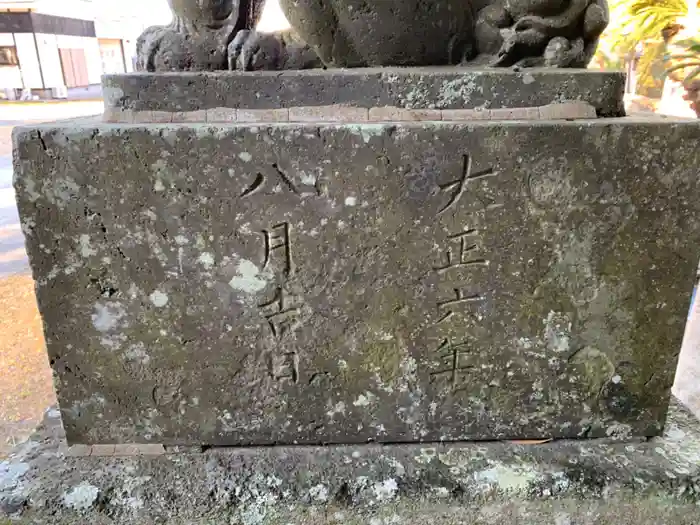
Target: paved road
{"x":13,"y":258}
{"x":46,"y":111}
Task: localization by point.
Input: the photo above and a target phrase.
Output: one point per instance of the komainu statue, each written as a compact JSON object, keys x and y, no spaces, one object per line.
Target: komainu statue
{"x":210,"y":35}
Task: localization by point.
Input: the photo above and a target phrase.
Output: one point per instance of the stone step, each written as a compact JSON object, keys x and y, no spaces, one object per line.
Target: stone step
{"x":591,"y":482}
{"x":318,"y":114}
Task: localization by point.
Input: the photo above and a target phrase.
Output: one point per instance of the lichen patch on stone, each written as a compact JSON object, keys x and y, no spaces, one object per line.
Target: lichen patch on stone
{"x":81,"y":497}
{"x":106,"y":317}
{"x":248,"y":279}
{"x":159,"y":299}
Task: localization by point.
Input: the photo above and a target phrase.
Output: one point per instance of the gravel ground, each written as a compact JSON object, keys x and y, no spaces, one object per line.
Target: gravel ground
{"x":26,"y":389}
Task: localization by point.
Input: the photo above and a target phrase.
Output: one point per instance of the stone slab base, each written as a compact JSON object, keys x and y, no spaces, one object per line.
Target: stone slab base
{"x":562,"y":482}
{"x":405,"y":88}
{"x":336,"y":113}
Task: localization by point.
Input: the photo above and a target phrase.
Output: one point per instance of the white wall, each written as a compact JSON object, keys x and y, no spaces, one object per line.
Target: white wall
{"x":50,"y":60}
{"x":10,"y":77}
{"x":94,"y":60}
{"x":129,"y":54}
{"x":112,"y":59}
{"x":26,"y":53}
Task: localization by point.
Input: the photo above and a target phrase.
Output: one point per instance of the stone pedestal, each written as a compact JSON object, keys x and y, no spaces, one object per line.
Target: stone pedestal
{"x":438,"y":259}
{"x":345,"y":283}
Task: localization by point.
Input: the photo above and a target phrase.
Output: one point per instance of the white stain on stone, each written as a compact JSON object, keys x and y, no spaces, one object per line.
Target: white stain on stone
{"x":309,"y":179}
{"x":562,"y":519}
{"x":458,"y":90}
{"x":245,"y":156}
{"x":137,"y":352}
{"x":206,"y":259}
{"x":616,"y":379}
{"x":506,"y":478}
{"x":106,"y":317}
{"x":350,"y":201}
{"x":30,"y":189}
{"x":619,"y":431}
{"x":364,"y":400}
{"x":63,"y":192}
{"x":525,"y":343}
{"x":528,"y":79}
{"x":27,"y":225}
{"x":319,"y":493}
{"x":181,"y":240}
{"x":158,"y":298}
{"x":385,"y":490}
{"x":248,"y":278}
{"x":81,"y":497}
{"x":366,"y":131}
{"x":158,"y":185}
{"x":113,"y":342}
{"x":339,"y":408}
{"x":10,"y":474}
{"x":557,"y":332}
{"x":86,"y":250}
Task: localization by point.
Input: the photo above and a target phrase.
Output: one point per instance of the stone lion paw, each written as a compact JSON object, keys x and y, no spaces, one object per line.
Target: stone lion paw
{"x":148,"y":49}
{"x":172,"y":48}
{"x":253,"y":51}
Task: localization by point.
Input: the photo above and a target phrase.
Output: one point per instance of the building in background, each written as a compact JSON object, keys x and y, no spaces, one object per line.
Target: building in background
{"x":61,"y":48}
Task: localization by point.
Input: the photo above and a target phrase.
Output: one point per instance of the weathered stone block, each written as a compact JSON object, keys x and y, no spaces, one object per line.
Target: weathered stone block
{"x":466,"y":114}
{"x":408,"y":88}
{"x":390,"y":113}
{"x":328,"y":114}
{"x":262,"y":115}
{"x":567,"y":110}
{"x":418,"y":282}
{"x":189,"y":116}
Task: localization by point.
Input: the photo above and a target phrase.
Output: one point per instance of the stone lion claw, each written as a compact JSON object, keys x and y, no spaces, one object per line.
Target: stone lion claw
{"x":255,"y":51}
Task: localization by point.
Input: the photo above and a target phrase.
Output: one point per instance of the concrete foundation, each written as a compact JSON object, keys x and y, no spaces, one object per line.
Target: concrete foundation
{"x":592,"y":482}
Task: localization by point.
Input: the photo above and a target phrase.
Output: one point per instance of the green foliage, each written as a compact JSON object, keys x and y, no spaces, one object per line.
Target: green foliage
{"x":686,"y":60}
{"x":607,"y":60}
{"x":635,"y":21}
{"x":646,"y":25}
